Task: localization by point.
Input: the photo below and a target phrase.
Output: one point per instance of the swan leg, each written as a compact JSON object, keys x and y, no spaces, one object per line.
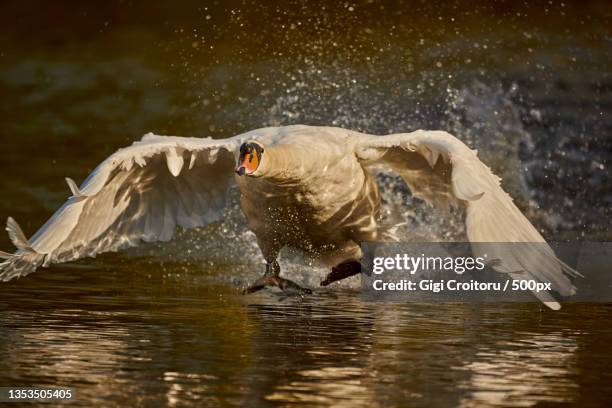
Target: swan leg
{"x":342,"y":271}
{"x":272,"y":278}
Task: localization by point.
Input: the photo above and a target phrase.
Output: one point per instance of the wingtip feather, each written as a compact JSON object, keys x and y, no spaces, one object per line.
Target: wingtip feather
{"x":553,"y":305}
{"x":174,"y":160}
{"x":16,"y":235}
{"x":73,"y":187}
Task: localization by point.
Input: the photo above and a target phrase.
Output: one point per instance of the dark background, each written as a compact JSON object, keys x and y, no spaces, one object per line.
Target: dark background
{"x":527,"y":83}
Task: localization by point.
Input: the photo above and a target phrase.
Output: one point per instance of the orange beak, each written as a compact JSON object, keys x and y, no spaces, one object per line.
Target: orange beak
{"x":247,"y":163}
{"x":240,"y":170}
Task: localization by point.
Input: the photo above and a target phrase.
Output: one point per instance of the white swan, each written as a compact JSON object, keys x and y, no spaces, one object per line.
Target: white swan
{"x":305,"y":187}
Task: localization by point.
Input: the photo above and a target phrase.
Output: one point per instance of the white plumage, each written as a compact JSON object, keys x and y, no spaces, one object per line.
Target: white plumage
{"x":313,"y":190}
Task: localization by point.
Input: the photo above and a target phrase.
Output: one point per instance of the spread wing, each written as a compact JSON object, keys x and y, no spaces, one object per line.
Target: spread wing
{"x":140,"y":193}
{"x":442,"y":170}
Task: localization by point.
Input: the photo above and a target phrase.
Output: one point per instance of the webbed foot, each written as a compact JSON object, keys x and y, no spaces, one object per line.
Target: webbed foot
{"x":342,"y":271}
{"x":271,"y":278}
{"x":284,"y":284}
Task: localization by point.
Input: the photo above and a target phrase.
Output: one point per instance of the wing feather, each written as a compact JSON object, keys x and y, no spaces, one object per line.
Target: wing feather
{"x":140,"y":193}
{"x":440,"y":168}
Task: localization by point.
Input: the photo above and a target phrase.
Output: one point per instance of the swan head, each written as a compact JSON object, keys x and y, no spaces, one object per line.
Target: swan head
{"x":249,"y":158}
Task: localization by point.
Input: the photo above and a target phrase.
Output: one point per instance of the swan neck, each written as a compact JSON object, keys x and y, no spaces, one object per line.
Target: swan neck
{"x":282,"y":163}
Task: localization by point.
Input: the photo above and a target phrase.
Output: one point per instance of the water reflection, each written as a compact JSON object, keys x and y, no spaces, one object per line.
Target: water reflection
{"x":313,"y":364}
{"x":523,"y":372}
{"x":175,"y":338}
{"x":384,"y":353}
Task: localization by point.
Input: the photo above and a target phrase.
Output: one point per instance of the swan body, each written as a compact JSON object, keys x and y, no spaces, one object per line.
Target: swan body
{"x":311,"y":194}
{"x":310,"y":188}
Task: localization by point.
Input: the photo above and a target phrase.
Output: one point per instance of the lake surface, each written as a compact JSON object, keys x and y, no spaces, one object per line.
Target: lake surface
{"x":529,"y":86}
{"x":137,"y":333}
